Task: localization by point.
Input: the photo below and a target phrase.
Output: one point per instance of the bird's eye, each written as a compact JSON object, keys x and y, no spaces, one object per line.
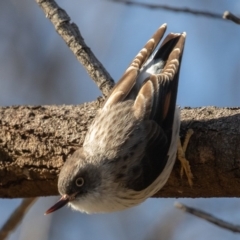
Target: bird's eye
{"x":79,"y":182}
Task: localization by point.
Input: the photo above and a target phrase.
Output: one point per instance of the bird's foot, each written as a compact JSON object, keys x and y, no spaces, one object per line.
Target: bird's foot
{"x":185,"y":166}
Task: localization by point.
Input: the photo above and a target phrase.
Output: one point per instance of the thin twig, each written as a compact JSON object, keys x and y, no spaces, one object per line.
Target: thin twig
{"x":16,"y":217}
{"x":173,"y":9}
{"x":208,"y":217}
{"x":72,"y":36}
{"x":228,"y":15}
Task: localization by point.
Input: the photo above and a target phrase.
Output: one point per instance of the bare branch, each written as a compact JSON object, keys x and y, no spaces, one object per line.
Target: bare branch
{"x":35,"y":142}
{"x":231,"y":17}
{"x":208,"y":217}
{"x":173,"y":9}
{"x":72,"y":36}
{"x":16,"y":217}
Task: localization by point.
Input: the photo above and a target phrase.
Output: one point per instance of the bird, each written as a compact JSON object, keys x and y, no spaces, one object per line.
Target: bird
{"x":131,"y":146}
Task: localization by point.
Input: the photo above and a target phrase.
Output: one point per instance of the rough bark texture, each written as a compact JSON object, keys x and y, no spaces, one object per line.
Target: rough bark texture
{"x":213,"y":153}
{"x":35,"y":142}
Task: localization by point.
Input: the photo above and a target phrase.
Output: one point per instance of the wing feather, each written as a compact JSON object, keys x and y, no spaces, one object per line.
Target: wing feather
{"x":154,"y":104}
{"x":160,"y":92}
{"x":122,"y":89}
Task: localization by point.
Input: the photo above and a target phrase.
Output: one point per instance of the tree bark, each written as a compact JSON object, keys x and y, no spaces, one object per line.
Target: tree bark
{"x":71,"y":35}
{"x":35,"y":142}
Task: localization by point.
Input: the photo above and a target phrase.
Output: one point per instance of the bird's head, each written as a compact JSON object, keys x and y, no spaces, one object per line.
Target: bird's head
{"x":78,"y":179}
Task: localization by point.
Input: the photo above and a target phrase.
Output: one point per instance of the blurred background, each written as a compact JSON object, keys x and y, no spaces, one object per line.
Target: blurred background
{"x":36,"y":67}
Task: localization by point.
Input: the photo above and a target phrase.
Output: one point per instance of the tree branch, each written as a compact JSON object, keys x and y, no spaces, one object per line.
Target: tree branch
{"x":72,"y":37}
{"x":35,"y":142}
{"x":208,"y":217}
{"x":170,"y":8}
{"x":16,"y":217}
{"x":229,"y":16}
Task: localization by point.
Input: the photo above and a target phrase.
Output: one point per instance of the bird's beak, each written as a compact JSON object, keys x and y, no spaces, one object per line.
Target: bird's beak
{"x":62,"y":202}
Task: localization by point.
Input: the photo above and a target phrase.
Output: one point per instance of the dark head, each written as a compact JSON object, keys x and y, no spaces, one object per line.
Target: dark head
{"x":77,"y":179}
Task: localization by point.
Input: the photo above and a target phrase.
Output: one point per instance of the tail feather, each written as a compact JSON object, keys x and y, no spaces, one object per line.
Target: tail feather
{"x":125,"y":85}
{"x":164,"y":81}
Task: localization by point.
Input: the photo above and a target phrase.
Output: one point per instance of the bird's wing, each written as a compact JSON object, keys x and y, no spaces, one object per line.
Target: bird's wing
{"x":156,"y":99}
{"x":156,"y":103}
{"x":128,"y":80}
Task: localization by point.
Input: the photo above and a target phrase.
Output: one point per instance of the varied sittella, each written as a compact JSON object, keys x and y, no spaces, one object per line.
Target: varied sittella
{"x":130,"y":148}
